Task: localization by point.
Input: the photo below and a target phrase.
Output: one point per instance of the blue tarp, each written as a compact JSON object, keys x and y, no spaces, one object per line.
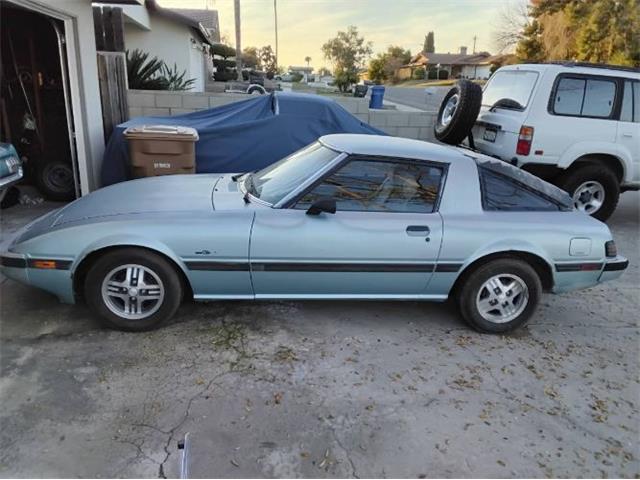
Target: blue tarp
{"x":246,"y":135}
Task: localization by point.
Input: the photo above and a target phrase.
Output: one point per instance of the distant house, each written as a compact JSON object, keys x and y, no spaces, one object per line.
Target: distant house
{"x":180,"y":37}
{"x":304,"y":71}
{"x":458,"y":65}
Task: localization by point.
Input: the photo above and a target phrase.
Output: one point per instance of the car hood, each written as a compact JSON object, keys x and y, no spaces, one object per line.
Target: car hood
{"x":171,"y":193}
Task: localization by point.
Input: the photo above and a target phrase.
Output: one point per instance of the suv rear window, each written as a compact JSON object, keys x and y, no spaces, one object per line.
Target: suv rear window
{"x":514,"y":85}
{"x":584,"y":97}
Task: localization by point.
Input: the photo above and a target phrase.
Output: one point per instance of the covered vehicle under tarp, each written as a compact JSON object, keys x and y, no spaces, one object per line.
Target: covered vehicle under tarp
{"x":246,"y":135}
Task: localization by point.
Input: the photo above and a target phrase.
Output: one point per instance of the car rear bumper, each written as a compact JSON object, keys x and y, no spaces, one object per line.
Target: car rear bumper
{"x":56,"y":278}
{"x":613,"y":269}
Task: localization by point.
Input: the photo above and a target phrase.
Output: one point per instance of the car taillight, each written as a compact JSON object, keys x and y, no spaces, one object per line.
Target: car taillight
{"x":524,"y":140}
{"x":610,"y":249}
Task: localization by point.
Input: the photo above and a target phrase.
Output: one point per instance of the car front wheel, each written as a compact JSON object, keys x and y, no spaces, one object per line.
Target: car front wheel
{"x":133,"y":289}
{"x":500,"y":296}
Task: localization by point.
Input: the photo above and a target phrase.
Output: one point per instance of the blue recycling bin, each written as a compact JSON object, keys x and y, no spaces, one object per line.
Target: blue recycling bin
{"x":377,"y":94}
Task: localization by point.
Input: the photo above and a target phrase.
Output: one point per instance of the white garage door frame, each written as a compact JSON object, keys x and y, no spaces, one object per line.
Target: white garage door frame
{"x":89,"y":140}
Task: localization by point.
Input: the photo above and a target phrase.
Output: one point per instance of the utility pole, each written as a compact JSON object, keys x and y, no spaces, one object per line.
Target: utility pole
{"x":474,"y":44}
{"x":236,"y":11}
{"x":275,"y":13}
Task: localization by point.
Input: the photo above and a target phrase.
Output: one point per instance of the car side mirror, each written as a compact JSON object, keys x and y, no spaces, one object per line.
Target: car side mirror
{"x":324,"y":204}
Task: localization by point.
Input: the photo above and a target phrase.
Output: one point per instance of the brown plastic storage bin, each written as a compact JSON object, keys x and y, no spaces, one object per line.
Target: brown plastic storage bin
{"x":161,"y":150}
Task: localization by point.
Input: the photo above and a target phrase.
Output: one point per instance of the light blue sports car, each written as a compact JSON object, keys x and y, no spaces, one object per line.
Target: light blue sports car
{"x":348,"y":217}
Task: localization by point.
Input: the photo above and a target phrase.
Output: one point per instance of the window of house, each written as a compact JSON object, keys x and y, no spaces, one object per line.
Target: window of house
{"x":505,"y":194}
{"x":584,"y":97}
{"x":380,"y":186}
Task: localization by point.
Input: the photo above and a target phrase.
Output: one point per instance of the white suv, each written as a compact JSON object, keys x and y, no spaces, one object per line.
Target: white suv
{"x":575,"y":125}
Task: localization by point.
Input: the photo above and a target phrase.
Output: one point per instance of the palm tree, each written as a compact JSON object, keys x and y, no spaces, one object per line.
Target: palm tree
{"x":236,"y":11}
{"x":307,"y":59}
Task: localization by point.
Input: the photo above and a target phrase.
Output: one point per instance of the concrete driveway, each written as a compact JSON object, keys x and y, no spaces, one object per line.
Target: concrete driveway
{"x":355,"y":389}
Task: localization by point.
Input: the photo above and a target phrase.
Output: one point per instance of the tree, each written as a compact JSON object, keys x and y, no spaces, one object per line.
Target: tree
{"x":385,"y":66}
{"x":324,"y":72}
{"x":268,"y":61}
{"x":601,"y":31}
{"x":347,"y":51}
{"x":429,"y":43}
{"x":509,"y":30}
{"x":250,"y":58}
{"x":307,"y":59}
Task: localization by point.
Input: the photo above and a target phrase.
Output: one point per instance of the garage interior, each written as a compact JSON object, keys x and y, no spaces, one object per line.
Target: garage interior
{"x":35,"y":109}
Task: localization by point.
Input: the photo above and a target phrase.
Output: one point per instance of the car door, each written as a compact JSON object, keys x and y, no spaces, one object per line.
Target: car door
{"x":383,"y":240}
{"x":629,"y":125}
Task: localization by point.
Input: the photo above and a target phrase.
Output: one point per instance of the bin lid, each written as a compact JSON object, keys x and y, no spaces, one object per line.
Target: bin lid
{"x":162,"y":132}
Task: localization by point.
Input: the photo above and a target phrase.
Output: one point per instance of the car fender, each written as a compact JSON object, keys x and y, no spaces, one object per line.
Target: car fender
{"x":508,"y":246}
{"x":581,"y":149}
{"x":128,"y":241}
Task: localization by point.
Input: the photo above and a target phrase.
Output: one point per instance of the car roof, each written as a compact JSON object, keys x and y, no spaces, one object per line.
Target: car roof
{"x":382,"y":145}
{"x":605,"y":70}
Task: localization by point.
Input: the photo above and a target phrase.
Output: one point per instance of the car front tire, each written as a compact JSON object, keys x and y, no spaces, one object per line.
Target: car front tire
{"x":133,"y":289}
{"x":500,"y":296}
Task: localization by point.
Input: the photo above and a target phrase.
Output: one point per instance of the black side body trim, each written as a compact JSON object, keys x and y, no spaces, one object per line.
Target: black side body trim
{"x":13,"y":262}
{"x":578,"y":267}
{"x":342,"y":267}
{"x":218,"y":266}
{"x":448,"y":267}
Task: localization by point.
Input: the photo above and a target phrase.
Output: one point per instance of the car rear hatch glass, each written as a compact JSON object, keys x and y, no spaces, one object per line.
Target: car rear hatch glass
{"x":550,"y":191}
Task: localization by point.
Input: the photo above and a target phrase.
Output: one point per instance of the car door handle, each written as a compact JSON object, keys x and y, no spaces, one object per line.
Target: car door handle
{"x":418,"y":230}
{"x":627,"y":134}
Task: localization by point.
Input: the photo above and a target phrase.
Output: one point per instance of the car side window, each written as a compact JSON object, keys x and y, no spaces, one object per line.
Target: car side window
{"x":584,"y":97}
{"x":626,"y":114}
{"x":379,"y":186}
{"x":500,"y":193}
{"x":636,"y":102}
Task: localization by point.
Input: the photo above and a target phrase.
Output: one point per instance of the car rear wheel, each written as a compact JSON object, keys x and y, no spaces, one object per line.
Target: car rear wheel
{"x":133,"y":289}
{"x":500,"y":296}
{"x":458,"y":112}
{"x":594,"y":188}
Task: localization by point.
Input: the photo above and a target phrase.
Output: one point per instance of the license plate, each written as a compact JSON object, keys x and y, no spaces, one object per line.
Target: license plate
{"x":490,"y":135}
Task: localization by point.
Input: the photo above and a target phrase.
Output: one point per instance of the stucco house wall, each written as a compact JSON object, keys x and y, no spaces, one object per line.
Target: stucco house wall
{"x":172,"y":42}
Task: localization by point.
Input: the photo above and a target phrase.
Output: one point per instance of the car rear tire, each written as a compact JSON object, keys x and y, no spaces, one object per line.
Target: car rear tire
{"x":458,"y":112}
{"x":133,"y":289}
{"x":500,"y":296}
{"x":256,"y":91}
{"x":594,"y":188}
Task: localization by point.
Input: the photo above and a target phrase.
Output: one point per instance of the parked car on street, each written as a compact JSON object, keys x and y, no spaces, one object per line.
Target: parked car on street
{"x":575,"y":125}
{"x":10,"y":169}
{"x":347,"y":217}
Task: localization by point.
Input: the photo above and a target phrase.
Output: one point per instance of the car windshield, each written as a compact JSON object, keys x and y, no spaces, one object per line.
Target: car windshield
{"x":273,"y":183}
{"x":510,"y":89}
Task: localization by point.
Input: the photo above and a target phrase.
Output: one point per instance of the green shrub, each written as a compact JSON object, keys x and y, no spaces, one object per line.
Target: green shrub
{"x":144,"y":73}
{"x":418,"y":74}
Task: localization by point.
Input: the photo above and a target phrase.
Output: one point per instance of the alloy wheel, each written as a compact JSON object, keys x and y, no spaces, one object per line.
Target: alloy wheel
{"x":502,"y":298}
{"x":132,"y":291}
{"x":589,"y":197}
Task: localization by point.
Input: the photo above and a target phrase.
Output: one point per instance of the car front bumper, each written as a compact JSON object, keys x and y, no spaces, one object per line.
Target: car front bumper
{"x":41,"y":273}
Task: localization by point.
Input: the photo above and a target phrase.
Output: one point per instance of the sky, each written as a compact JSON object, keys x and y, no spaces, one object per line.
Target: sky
{"x":305,"y":25}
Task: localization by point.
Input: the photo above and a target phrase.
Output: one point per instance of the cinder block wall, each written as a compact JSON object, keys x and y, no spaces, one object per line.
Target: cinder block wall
{"x":418,"y":125}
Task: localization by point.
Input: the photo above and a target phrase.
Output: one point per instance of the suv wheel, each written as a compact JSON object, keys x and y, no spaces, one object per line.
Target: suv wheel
{"x":458,"y":112}
{"x":500,"y":296}
{"x":594,"y":188}
{"x":133,"y":289}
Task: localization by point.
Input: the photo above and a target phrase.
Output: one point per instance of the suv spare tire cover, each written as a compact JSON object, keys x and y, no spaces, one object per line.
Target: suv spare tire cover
{"x":458,"y":112}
